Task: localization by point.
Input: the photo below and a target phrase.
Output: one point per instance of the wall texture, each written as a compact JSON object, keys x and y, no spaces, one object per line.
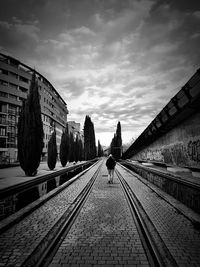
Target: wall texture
{"x":186,"y":193}
{"x":180,"y":146}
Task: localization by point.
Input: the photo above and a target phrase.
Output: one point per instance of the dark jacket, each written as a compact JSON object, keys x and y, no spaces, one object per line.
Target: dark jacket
{"x":110,"y":163}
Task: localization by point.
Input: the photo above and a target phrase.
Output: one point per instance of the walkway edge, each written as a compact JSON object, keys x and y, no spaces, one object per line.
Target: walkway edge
{"x":18,"y":216}
{"x":180,"y":207}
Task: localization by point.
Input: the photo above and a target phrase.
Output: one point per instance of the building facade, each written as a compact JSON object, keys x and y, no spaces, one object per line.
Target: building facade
{"x":75,"y":128}
{"x":15,"y":80}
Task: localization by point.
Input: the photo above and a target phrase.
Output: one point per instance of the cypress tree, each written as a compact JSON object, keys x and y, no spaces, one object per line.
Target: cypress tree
{"x":102,"y":152}
{"x":64,"y":147}
{"x":89,"y":139}
{"x":113,"y":145}
{"x":93,"y":142}
{"x":52,"y":151}
{"x":80,"y":150}
{"x":76,"y":149}
{"x":116,"y":144}
{"x":118,"y":134}
{"x":99,"y":153}
{"x":118,"y":141}
{"x":30,"y":131}
{"x":71,"y":148}
{"x":86,"y":138}
{"x":63,"y":159}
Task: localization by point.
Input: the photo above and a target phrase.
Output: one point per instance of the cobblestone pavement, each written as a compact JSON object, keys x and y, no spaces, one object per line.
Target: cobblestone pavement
{"x":178,"y":233}
{"x":17,"y":243}
{"x":104,"y":233}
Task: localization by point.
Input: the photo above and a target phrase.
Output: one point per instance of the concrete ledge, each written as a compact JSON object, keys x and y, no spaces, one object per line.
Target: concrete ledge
{"x":147,"y":164}
{"x":196,"y":174}
{"x":21,"y":183}
{"x":177,"y":169}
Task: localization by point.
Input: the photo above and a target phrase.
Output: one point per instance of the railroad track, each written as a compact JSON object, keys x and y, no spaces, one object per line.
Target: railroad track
{"x":15,"y":198}
{"x":153,"y":245}
{"x":53,"y":235}
{"x":185,"y":190}
{"x":158,"y":255}
{"x":42,"y":255}
{"x":156,"y":250}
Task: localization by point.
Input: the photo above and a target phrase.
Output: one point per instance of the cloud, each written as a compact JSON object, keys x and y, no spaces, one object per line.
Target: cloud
{"x":113,"y":60}
{"x":74,"y":87}
{"x":119,"y":24}
{"x":20,"y":29}
{"x":19,"y":39}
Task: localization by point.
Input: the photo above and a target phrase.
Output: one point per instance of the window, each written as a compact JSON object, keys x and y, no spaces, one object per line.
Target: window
{"x":11,"y":137}
{"x":5,"y":72}
{"x":23,"y":79}
{"x":13,"y":97}
{"x":2,"y":142}
{"x":3,"y":82}
{"x":12,"y":85}
{"x":12,"y":107}
{"x":12,"y":110}
{"x":23,"y":90}
{"x":14,"y":75}
{"x":3,"y":119}
{"x":2,"y":94}
{"x":3,"y":108}
{"x":14,"y":62}
{"x":11,"y":129}
{"x":2,"y":131}
{"x":11,"y":118}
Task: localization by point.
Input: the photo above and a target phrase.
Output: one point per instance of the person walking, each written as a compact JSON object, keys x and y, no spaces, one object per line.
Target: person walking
{"x":110,"y":164}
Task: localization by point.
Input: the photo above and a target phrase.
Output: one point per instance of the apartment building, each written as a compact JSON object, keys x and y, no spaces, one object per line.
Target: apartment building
{"x":15,"y":80}
{"x":75,"y":128}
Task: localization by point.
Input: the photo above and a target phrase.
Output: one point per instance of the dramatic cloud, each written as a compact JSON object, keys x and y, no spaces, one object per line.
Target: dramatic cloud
{"x":113,"y":60}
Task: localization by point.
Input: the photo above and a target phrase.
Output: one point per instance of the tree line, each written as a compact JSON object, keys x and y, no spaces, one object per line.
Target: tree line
{"x":30,"y":138}
{"x":116,"y":143}
{"x":72,"y":148}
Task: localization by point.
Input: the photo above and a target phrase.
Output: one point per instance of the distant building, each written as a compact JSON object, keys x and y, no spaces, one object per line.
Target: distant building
{"x":106,"y":151}
{"x":15,"y":79}
{"x":75,"y":128}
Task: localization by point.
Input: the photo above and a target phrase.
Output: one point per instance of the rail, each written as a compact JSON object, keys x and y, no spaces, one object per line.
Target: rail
{"x":156,"y":251}
{"x":34,"y":203}
{"x":44,"y":252}
{"x":8,"y":191}
{"x":185,"y":189}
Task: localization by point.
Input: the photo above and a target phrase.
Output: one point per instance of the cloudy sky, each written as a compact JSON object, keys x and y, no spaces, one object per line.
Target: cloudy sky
{"x":114,"y":60}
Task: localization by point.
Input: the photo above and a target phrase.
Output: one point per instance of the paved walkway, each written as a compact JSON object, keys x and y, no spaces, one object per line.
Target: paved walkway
{"x":18,"y":242}
{"x":104,"y":233}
